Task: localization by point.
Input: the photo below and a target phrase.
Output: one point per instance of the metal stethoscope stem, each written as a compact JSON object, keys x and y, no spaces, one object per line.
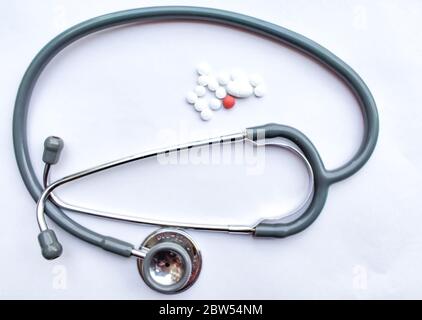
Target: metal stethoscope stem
{"x":232,"y":138}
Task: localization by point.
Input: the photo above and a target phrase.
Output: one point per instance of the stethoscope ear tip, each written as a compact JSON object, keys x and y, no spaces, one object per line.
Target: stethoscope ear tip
{"x":50,"y":246}
{"x":53,"y":147}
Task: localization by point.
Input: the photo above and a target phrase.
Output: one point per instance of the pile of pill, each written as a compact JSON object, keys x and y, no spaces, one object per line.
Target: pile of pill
{"x":225,"y":88}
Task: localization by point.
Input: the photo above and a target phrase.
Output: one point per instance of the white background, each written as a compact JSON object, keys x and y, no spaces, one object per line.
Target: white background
{"x":122,"y":91}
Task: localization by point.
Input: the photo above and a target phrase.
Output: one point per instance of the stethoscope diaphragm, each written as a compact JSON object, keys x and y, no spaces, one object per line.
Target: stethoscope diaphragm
{"x":172,"y":261}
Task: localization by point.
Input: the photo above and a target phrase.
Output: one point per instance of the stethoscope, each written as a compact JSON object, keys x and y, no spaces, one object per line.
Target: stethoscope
{"x":169,"y":260}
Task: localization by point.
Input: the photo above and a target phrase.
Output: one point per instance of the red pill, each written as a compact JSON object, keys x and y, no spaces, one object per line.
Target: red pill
{"x":229,"y":102}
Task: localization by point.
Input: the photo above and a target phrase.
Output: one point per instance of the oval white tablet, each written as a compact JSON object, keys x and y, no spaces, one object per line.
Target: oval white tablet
{"x":191,"y":97}
{"x":200,"y":104}
{"x":260,"y":90}
{"x":203,"y":68}
{"x":215,"y":104}
{"x":220,"y":92}
{"x":240,"y":88}
{"x":206,"y":114}
{"x":200,"y":91}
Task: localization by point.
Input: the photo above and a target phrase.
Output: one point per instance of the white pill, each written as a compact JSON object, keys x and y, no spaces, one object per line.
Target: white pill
{"x":255,"y":79}
{"x":206,"y":114}
{"x":203,"y":68}
{"x":200,"y":104}
{"x":212,"y":84}
{"x":215,"y":104}
{"x":203,"y":80}
{"x":223,"y":78}
{"x":240,"y":88}
{"x":260,"y":90}
{"x":191,"y":97}
{"x":220,"y":92}
{"x":200,"y":91}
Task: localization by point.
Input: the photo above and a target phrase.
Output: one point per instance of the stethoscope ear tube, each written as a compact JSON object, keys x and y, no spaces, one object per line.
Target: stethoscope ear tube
{"x":278,"y":228}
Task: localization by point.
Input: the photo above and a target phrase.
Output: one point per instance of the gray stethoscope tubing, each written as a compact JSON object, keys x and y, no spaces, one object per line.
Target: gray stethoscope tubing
{"x":266,"y":228}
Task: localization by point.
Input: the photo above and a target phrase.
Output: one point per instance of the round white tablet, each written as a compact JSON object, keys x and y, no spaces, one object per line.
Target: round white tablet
{"x":212,"y":84}
{"x":203,"y":80}
{"x":223,"y":78}
{"x":220,"y":92}
{"x":215,"y":104}
{"x":206,"y":114}
{"x":200,"y":104}
{"x":255,"y":79}
{"x":200,"y":91}
{"x":260,"y":90}
{"x":203,"y":68}
{"x":191,"y":97}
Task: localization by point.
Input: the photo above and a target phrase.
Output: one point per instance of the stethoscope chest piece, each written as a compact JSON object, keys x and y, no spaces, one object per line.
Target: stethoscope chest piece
{"x":172,"y":261}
